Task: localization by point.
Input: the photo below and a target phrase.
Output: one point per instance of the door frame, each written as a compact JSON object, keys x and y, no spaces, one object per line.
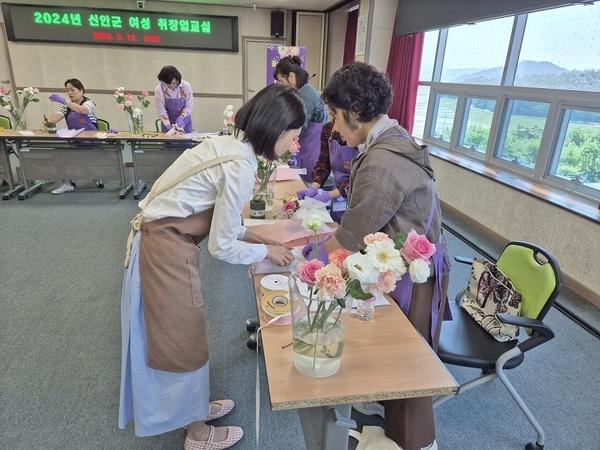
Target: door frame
{"x":254,"y":39}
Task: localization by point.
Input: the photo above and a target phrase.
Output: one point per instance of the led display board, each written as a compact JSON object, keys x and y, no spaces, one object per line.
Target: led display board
{"x":79,"y":25}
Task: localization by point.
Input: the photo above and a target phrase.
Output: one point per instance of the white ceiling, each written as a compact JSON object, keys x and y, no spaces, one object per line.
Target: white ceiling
{"x":303,"y":5}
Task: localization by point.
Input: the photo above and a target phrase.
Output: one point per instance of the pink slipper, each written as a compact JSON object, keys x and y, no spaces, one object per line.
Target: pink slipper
{"x":234,"y":434}
{"x":226,"y":407}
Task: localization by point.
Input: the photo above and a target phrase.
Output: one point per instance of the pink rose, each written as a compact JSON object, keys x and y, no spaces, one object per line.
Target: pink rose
{"x":128,"y":103}
{"x":417,"y":246}
{"x":306,"y":270}
{"x":377,"y":237}
{"x":129,"y":96}
{"x":3,"y":91}
{"x":289,"y":206}
{"x":145,"y":93}
{"x":121,"y":106}
{"x":232,"y":118}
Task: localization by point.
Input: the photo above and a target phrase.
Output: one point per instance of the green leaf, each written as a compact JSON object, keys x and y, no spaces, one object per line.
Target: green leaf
{"x":399,"y":240}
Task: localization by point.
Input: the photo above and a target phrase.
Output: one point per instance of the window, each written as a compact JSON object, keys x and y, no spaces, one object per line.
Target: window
{"x":475,"y":54}
{"x":518,"y":93}
{"x":477,"y":125}
{"x":443,"y":119}
{"x":560,"y":49}
{"x":577,"y":155}
{"x":521,"y":135}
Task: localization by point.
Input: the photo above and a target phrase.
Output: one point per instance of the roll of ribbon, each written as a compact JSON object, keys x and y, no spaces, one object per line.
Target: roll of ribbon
{"x":273,"y":282}
{"x":276,"y":304}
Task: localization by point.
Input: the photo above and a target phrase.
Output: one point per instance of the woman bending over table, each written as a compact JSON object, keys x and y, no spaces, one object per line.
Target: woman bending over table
{"x":165,"y":370}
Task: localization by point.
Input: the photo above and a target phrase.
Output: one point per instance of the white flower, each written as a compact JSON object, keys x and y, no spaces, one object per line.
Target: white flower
{"x":120,"y":89}
{"x":384,"y":256}
{"x":312,"y":222}
{"x":419,"y":271}
{"x":360,"y":268}
{"x":137,"y":112}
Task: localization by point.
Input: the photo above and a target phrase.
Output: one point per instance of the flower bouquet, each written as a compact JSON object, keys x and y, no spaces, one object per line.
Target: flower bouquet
{"x":322,"y":294}
{"x":229,"y":120}
{"x":17,"y":113}
{"x":135,"y":115}
{"x":265,"y":177}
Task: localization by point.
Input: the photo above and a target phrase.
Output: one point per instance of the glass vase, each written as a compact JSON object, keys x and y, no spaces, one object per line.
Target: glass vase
{"x":18,"y":123}
{"x":264,"y":188}
{"x":136,"y":124}
{"x":365,"y":309}
{"x":318,"y":330}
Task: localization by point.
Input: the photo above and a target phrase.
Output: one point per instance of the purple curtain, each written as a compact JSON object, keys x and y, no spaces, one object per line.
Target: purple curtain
{"x":350,"y":42}
{"x":404,"y":65}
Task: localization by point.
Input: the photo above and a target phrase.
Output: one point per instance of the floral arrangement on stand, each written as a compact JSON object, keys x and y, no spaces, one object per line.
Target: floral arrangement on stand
{"x":265,"y":181}
{"x":135,"y":115}
{"x":370,"y":272}
{"x":25,"y":96}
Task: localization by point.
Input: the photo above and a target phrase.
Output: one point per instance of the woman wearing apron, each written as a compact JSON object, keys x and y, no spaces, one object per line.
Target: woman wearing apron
{"x":335,"y":156}
{"x":165,"y":370}
{"x":174,"y":100}
{"x":289,"y":72}
{"x":392,"y":190}
{"x":79,"y":112}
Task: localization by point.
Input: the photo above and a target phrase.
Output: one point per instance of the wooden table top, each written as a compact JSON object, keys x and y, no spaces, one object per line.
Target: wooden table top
{"x":383,"y":359}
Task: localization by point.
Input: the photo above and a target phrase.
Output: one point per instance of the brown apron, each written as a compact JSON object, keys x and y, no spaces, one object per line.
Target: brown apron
{"x":170,"y":281}
{"x":171,"y":295}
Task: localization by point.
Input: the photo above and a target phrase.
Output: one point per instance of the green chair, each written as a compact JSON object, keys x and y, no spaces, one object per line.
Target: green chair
{"x":5,"y":122}
{"x":103,"y":125}
{"x":158,"y":125}
{"x":463,"y":342}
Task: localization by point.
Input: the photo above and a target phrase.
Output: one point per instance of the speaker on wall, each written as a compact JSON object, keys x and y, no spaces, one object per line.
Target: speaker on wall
{"x":277,"y":23}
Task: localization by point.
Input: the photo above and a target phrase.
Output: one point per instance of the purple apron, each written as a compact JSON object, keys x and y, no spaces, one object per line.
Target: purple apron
{"x":403,"y":292}
{"x":174,"y":106}
{"x":340,"y":159}
{"x":77,"y":120}
{"x":310,"y":146}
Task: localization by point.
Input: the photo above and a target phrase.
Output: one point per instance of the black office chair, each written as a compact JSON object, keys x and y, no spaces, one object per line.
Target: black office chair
{"x":535,"y":273}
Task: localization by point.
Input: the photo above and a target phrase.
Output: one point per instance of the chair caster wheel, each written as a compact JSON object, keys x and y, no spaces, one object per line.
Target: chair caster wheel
{"x":252,"y":342}
{"x":534,"y":446}
{"x":252,"y":324}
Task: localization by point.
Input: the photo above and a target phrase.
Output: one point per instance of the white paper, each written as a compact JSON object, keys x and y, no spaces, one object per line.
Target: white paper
{"x":26,"y":133}
{"x":67,"y":133}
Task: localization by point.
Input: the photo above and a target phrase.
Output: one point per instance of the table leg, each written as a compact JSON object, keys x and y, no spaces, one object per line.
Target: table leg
{"x":334,"y":430}
{"x":140,"y":188}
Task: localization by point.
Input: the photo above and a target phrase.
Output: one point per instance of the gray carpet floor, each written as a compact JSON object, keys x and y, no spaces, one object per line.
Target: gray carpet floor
{"x":61,"y":274}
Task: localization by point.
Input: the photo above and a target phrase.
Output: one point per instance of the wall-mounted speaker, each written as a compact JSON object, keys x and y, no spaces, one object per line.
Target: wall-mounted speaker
{"x":277,"y":23}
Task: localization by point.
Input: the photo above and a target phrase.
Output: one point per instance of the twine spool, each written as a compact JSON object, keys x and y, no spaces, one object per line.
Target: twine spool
{"x":277,"y":304}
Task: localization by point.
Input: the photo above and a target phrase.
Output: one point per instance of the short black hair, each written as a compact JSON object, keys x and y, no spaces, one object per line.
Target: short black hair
{"x":169,"y":73}
{"x":75,"y":83}
{"x":272,"y":111}
{"x":360,"y":88}
{"x":290,"y":64}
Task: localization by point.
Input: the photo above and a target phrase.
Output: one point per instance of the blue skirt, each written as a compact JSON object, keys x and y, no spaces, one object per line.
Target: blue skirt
{"x":156,"y":401}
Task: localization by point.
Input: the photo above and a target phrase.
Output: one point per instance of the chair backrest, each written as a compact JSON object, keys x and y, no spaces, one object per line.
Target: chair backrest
{"x":535,"y":273}
{"x":158,"y":125}
{"x":5,"y":122}
{"x":103,"y":125}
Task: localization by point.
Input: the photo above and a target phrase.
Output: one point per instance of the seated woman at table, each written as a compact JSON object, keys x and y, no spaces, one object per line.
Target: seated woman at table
{"x":79,"y":112}
{"x":335,"y":156}
{"x":174,"y":100}
{"x":165,"y":370}
{"x":289,"y":72}
{"x":392,"y":190}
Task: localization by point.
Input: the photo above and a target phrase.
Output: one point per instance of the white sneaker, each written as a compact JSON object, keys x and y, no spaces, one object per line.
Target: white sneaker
{"x":99,"y":183}
{"x":64,"y":188}
{"x":370,"y":408}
